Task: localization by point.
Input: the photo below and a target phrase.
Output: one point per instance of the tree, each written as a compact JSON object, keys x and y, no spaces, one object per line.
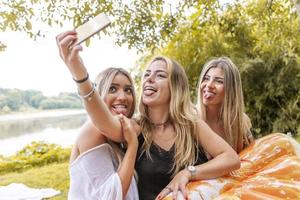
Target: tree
{"x":141,"y":24}
{"x":262,"y":38}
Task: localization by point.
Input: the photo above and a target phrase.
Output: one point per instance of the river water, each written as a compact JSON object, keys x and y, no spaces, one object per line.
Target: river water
{"x":59,"y":127}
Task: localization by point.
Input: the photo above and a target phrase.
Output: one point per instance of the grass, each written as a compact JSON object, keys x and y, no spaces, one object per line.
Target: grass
{"x":54,"y":176}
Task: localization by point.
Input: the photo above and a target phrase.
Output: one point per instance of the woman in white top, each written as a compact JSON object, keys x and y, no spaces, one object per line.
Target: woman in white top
{"x":98,"y":168}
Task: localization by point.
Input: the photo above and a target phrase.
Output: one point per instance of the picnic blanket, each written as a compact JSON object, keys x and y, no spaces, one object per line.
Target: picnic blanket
{"x":19,"y":191}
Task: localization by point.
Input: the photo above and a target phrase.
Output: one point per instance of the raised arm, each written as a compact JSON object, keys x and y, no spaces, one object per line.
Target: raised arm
{"x":95,"y":106}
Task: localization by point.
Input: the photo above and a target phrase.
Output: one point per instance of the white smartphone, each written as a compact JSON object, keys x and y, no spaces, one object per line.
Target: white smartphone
{"x":90,"y":28}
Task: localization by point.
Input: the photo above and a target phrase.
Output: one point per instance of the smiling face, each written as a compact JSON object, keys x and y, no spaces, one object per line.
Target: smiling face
{"x":119,"y":98}
{"x":212,"y":87}
{"x":156,"y":90}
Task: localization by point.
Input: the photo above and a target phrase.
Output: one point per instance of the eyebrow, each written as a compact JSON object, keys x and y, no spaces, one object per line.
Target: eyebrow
{"x":157,"y":71}
{"x":116,"y":84}
{"x":216,"y":77}
{"x":221,"y":78}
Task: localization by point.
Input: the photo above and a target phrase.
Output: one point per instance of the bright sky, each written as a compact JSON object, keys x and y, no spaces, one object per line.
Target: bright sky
{"x":28,"y":64}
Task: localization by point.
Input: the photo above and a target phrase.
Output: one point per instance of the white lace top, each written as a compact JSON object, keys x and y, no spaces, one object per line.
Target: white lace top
{"x":93,"y":176}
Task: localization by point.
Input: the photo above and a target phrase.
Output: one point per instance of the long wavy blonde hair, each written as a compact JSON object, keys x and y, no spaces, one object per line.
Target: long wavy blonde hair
{"x":182,"y":115}
{"x":235,"y":121}
{"x":103,"y":82}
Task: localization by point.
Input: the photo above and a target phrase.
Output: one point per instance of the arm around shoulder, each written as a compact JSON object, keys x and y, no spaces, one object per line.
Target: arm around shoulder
{"x":225,"y":159}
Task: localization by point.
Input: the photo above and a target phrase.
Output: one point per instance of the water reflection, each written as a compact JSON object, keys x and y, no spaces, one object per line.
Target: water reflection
{"x":29,"y":126}
{"x":61,"y":129}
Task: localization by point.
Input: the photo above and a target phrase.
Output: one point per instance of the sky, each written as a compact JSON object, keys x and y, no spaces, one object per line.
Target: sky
{"x":28,"y":64}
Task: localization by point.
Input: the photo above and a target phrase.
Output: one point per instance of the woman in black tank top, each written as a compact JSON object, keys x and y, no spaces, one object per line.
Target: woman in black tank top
{"x":159,"y":168}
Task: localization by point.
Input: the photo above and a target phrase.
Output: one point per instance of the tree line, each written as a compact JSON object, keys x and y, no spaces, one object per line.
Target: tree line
{"x":15,"y":100}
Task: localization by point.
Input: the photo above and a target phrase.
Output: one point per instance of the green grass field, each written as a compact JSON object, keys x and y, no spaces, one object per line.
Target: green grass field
{"x":54,"y":176}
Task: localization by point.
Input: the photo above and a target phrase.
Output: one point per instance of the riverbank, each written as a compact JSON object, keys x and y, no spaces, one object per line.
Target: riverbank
{"x":55,"y":175}
{"x":40,"y":114}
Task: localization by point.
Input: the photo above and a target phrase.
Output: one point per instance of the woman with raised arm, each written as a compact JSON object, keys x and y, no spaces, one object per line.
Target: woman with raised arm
{"x":99,"y":168}
{"x":221,"y":104}
{"x":173,"y":139}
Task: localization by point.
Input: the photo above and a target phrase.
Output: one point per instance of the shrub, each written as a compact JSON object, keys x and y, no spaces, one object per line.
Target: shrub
{"x":32,"y":155}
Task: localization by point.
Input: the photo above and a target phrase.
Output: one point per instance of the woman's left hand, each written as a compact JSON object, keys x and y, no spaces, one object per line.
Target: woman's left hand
{"x":178,"y":183}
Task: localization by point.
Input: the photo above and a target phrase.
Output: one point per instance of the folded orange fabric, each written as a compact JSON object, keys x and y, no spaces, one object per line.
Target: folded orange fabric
{"x":270,"y":169}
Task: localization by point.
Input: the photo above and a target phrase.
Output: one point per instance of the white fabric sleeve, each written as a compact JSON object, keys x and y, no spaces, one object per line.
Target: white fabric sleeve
{"x":93,"y":176}
{"x":111,"y":189}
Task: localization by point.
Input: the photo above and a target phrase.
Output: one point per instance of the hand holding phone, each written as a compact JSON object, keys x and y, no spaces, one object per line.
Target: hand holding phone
{"x":90,"y":28}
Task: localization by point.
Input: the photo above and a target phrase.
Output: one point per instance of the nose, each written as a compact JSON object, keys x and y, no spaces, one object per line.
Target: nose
{"x":210,"y":83}
{"x":121,"y":96}
{"x":150,"y":78}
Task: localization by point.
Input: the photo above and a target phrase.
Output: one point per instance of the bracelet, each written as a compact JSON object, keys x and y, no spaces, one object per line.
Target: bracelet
{"x":89,"y":95}
{"x":82,"y":80}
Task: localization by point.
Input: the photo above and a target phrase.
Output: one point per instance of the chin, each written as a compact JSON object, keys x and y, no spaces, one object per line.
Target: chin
{"x":147,"y":100}
{"x":206,"y":103}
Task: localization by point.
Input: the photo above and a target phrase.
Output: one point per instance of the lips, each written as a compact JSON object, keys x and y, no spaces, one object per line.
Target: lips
{"x":208,"y":94}
{"x":120,"y":109}
{"x":149,"y":90}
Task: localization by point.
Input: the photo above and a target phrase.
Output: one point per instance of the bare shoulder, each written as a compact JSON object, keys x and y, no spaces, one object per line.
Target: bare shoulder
{"x":247,"y":120}
{"x":89,"y":137}
{"x":204,"y":130}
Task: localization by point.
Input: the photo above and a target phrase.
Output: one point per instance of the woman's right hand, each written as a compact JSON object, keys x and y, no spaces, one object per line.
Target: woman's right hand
{"x":130,"y":130}
{"x":71,"y":56}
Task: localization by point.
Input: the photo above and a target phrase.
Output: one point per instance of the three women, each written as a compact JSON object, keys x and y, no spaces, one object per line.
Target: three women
{"x":173,"y":139}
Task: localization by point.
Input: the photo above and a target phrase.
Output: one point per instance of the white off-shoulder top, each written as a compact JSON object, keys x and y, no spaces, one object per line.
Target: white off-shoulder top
{"x":93,"y":176}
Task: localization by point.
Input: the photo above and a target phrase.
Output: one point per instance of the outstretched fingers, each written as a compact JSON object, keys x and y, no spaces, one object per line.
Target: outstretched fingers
{"x":182,"y":188}
{"x":167,"y":190}
{"x":175,"y":192}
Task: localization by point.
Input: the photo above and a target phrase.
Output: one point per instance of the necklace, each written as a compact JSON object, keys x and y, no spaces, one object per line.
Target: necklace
{"x":160,"y":124}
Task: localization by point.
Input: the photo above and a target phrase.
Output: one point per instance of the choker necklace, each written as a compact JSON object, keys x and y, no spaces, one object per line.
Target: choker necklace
{"x":160,"y":124}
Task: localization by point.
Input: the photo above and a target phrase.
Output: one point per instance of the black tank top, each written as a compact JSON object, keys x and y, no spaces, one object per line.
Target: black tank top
{"x":154,"y":174}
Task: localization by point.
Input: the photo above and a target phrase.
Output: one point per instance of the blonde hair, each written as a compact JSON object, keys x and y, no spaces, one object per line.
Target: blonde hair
{"x":235,"y":121}
{"x":103,"y":82}
{"x":182,"y":114}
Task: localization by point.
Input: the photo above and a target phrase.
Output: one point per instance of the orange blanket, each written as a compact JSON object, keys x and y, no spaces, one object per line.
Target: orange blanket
{"x":270,"y":169}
